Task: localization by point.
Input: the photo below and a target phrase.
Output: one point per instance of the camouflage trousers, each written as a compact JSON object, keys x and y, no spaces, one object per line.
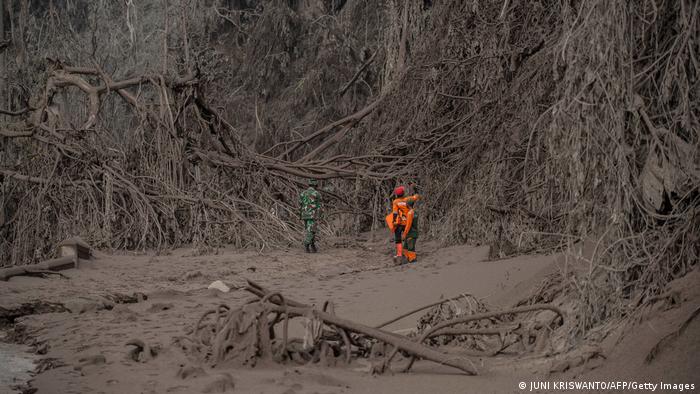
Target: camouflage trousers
{"x":409,"y":249}
{"x":410,"y":244}
{"x":310,"y":231}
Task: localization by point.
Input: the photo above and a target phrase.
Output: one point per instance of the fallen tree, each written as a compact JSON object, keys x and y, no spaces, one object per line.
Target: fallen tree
{"x":104,"y":175}
{"x":180,"y":171}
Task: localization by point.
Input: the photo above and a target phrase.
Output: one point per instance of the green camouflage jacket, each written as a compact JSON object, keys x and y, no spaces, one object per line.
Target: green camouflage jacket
{"x":310,"y":204}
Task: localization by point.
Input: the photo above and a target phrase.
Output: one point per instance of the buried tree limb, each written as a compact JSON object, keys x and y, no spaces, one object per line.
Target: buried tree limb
{"x":398,"y":341}
{"x":468,"y":318}
{"x":49,"y":265}
{"x":246,"y":334}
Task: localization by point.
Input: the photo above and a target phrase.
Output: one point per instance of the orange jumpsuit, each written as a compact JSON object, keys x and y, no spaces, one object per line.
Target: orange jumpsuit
{"x":398,"y":219}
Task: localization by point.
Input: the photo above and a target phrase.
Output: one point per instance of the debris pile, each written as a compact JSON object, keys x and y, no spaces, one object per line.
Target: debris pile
{"x":457,"y":307}
{"x":259,"y":331}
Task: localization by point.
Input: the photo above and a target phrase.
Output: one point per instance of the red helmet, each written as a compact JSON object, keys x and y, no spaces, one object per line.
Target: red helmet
{"x":399,"y":191}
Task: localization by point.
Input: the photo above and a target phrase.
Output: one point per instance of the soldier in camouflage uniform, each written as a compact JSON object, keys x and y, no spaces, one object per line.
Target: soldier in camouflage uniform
{"x":309,"y":212}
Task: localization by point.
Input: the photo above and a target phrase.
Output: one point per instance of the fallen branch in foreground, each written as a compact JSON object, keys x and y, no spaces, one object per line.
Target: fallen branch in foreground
{"x":250,"y":333}
{"x":49,"y":265}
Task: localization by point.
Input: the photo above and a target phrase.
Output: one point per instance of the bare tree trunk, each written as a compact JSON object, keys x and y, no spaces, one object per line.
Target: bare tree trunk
{"x":165,"y":38}
{"x":3,"y":65}
{"x":109,"y":212}
{"x":4,"y":93}
{"x":3,"y":89}
{"x":404,"y":37}
{"x":21,"y":44}
{"x":185,"y":40}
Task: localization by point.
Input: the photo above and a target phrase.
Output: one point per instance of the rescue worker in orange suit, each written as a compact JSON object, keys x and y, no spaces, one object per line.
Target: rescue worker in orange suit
{"x":398,"y":219}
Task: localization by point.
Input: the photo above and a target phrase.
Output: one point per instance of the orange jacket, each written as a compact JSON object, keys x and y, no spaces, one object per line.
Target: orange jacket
{"x":400,"y":209}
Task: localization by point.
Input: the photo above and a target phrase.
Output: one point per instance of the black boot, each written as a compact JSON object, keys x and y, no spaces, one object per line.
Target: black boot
{"x":313,"y":248}
{"x":306,"y":247}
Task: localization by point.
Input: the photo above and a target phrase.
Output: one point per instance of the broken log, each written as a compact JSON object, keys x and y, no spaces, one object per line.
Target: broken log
{"x":398,"y":341}
{"x":246,"y":334}
{"x":500,"y":331}
{"x":52,"y":265}
{"x":480,"y":316}
{"x":393,"y":339}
